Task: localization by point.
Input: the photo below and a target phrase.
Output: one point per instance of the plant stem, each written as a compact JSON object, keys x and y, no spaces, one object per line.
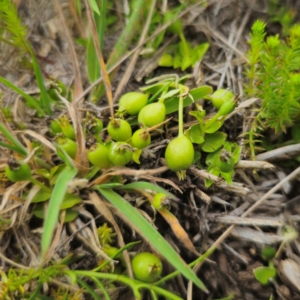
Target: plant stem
{"x":41,"y":185}
{"x":180,"y":116}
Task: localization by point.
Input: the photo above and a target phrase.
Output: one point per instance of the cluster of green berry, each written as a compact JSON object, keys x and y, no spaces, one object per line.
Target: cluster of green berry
{"x":124,"y":145}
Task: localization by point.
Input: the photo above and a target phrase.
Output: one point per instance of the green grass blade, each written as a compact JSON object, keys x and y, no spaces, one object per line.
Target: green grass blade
{"x":21,"y":149}
{"x":95,"y":7}
{"x":101,"y":286}
{"x":13,"y":148}
{"x":89,"y":289}
{"x":45,"y":99}
{"x":124,"y":41}
{"x":92,"y":64}
{"x":151,"y":235}
{"x":143,"y":185}
{"x":33,"y":102}
{"x":55,"y":201}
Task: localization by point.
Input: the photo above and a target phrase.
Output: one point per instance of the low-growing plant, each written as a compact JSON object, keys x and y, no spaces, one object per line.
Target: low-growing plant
{"x":272,"y":76}
{"x":58,"y":176}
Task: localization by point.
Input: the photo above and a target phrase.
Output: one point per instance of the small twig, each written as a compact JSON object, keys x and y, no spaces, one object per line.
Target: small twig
{"x":225,"y":234}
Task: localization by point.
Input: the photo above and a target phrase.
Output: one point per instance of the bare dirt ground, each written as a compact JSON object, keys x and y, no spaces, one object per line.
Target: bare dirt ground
{"x":205,"y":213}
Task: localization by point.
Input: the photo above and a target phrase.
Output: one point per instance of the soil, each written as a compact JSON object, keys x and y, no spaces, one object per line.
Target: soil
{"x":204,"y":213}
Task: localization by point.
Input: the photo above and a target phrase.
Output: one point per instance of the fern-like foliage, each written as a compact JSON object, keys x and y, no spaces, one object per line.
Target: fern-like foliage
{"x":12,"y":24}
{"x":272,"y":74}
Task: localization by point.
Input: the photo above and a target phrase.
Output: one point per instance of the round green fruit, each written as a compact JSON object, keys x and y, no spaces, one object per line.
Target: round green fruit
{"x":179,"y":154}
{"x":219,"y":97}
{"x":146,"y":267}
{"x":161,"y":201}
{"x":68,"y":145}
{"x":120,"y":153}
{"x":226,"y":108}
{"x":55,"y":127}
{"x":141,"y":139}
{"x":119,"y":130}
{"x":131,"y":103}
{"x":16,"y":172}
{"x":96,"y":127}
{"x":59,"y":88}
{"x":98,"y":156}
{"x":152,"y":114}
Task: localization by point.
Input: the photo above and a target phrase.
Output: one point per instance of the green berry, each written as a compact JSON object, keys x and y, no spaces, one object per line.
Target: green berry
{"x":55,"y":126}
{"x":131,"y":103}
{"x":67,"y":128}
{"x":141,"y":139}
{"x":119,"y":130}
{"x":146,"y":267}
{"x":15,"y":171}
{"x":152,"y":114}
{"x":219,"y":97}
{"x":68,"y":145}
{"x":179,"y":154}
{"x":98,"y":155}
{"x":120,"y":153}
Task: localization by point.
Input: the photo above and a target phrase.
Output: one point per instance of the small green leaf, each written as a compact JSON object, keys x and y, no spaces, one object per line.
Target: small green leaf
{"x":94,"y":6}
{"x":177,"y":60}
{"x":186,"y":62}
{"x":214,"y":171}
{"x":264,"y":274}
{"x":195,"y":134}
{"x":41,"y":196}
{"x":170,"y":94}
{"x":268,"y":252}
{"x":199,"y":51}
{"x":197,"y":94}
{"x":289,"y":234}
{"x":136,"y":155}
{"x":228,"y":176}
{"x":39,"y":211}
{"x":69,"y":201}
{"x":199,"y":115}
{"x":213,"y":158}
{"x":166,"y":60}
{"x":236,"y":152}
{"x":70,"y":215}
{"x":213,"y":127}
{"x":213,"y":141}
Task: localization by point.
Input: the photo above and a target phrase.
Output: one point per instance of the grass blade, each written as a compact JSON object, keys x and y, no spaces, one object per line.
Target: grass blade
{"x":18,"y":146}
{"x":143,"y":185}
{"x":45,"y":99}
{"x":33,"y":102}
{"x":55,"y":201}
{"x":13,"y":148}
{"x":123,"y":42}
{"x":89,"y":289}
{"x":94,"y":6}
{"x":150,"y":234}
